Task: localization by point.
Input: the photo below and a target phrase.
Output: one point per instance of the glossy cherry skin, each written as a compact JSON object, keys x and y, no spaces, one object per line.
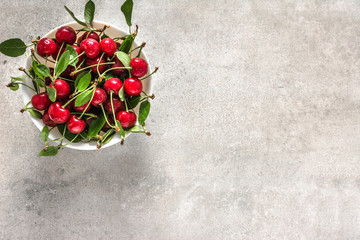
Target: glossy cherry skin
{"x":92,"y":35}
{"x":119,"y":72}
{"x":126,"y":119}
{"x":66,"y":34}
{"x":46,"y":46}
{"x":139,"y":67}
{"x":40,"y":101}
{"x":47,"y":121}
{"x":62,"y":88}
{"x":75,"y":125}
{"x":91,"y":47}
{"x":99,"y":97}
{"x":58,"y":114}
{"x":117,"y":103}
{"x":108,"y":46}
{"x":133,"y":86}
{"x":113,"y":84}
{"x":82,"y":107}
{"x":93,"y":61}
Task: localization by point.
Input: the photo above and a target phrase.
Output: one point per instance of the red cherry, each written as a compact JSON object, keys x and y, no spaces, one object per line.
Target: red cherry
{"x":133,"y":86}
{"x":48,"y":79}
{"x":91,"y":47}
{"x":75,"y":125}
{"x":126,"y":119}
{"x":66,"y":34}
{"x":62,"y":88}
{"x":82,"y":107}
{"x":79,"y":51}
{"x":99,"y":97}
{"x":40,"y":101}
{"x":113,"y":84}
{"x":139,"y":67}
{"x":58,"y":52}
{"x":108,"y":46}
{"x":92,"y":35}
{"x":117,"y":103}
{"x":64,"y":101}
{"x":47,"y":121}
{"x":46,"y":46}
{"x":119,"y":72}
{"x":118,"y":45}
{"x":58,"y":114}
{"x":93,"y":61}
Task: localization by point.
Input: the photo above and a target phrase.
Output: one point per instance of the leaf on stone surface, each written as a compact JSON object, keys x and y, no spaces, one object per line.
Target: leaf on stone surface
{"x":50,"y":151}
{"x":44,"y":133}
{"x":73,"y":16}
{"x":89,"y":12}
{"x":144,"y":111}
{"x":127,"y":8}
{"x":13,"y":47}
{"x":14,"y":86}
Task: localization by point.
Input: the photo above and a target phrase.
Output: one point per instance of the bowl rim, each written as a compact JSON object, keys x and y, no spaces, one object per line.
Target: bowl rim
{"x":79,"y":146}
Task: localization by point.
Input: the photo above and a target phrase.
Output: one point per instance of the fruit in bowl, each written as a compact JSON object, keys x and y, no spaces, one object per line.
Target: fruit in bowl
{"x":87,"y":84}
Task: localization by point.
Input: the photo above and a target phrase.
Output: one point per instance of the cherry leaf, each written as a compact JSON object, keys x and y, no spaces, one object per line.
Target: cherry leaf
{"x":144,"y":112}
{"x":127,"y":8}
{"x":44,"y":133}
{"x":50,"y":151}
{"x":89,"y":12}
{"x":13,"y":47}
{"x":73,"y":16}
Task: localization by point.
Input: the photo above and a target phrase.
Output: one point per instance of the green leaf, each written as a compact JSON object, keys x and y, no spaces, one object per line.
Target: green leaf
{"x":83,"y":98}
{"x":14,"y":86}
{"x":18,"y":79}
{"x":51,"y":92}
{"x":73,"y":16}
{"x":134,"y":101}
{"x":89,"y":12}
{"x":44,"y":133}
{"x":63,"y":63}
{"x":36,"y":70}
{"x":43,"y":70}
{"x":121,"y":94}
{"x":124,"y":58}
{"x":68,"y":135}
{"x":135,"y":129}
{"x":13,"y":47}
{"x":78,"y":78}
{"x":50,"y":151}
{"x":35,"y":113}
{"x":122,"y":132}
{"x":96,"y":126}
{"x":83,"y":82}
{"x":127,"y":8}
{"x":108,"y":136}
{"x":144,"y":112}
{"x":104,"y":36}
{"x":126,"y":44}
{"x":40,"y":82}
{"x":73,"y":59}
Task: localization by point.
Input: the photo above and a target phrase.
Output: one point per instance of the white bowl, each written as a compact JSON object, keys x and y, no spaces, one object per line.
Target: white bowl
{"x":54,"y":134}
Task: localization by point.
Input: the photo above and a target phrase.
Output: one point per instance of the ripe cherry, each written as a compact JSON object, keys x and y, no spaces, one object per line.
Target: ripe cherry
{"x":48,"y":79}
{"x":99,"y":97}
{"x":91,"y":47}
{"x":139,"y":67}
{"x":92,"y":35}
{"x":106,"y":126}
{"x":82,"y":107}
{"x":117,"y":104}
{"x":59,"y":51}
{"x":119,"y":72}
{"x":108,"y":46}
{"x":66,"y":34}
{"x":47,"y":121}
{"x":93,"y":61}
{"x":75,"y":125}
{"x":113,"y":84}
{"x":62,"y":88}
{"x":58,"y":114}
{"x":46,"y":46}
{"x":40,"y":101}
{"x":126,"y":119}
{"x":133,"y":86}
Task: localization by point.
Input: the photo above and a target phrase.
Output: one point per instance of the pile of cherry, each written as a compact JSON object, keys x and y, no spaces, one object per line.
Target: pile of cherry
{"x":95,"y":57}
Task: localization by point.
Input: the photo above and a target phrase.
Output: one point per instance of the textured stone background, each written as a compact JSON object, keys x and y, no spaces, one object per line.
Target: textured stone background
{"x":255,"y":128}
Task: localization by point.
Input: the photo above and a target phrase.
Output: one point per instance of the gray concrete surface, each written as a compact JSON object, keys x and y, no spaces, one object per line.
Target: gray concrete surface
{"x":255,"y":129}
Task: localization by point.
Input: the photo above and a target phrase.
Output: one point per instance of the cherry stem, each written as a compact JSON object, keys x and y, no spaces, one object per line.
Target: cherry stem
{"x":156,"y":68}
{"x":97,"y":67}
{"x":103,"y":74}
{"x":46,"y":59}
{"x":85,"y":114}
{"x":102,"y":108}
{"x":112,"y":106}
{"x":141,"y":47}
{"x":66,"y":79}
{"x":24,"y":85}
{"x":56,"y":61}
{"x":70,"y":141}
{"x":81,"y":69}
